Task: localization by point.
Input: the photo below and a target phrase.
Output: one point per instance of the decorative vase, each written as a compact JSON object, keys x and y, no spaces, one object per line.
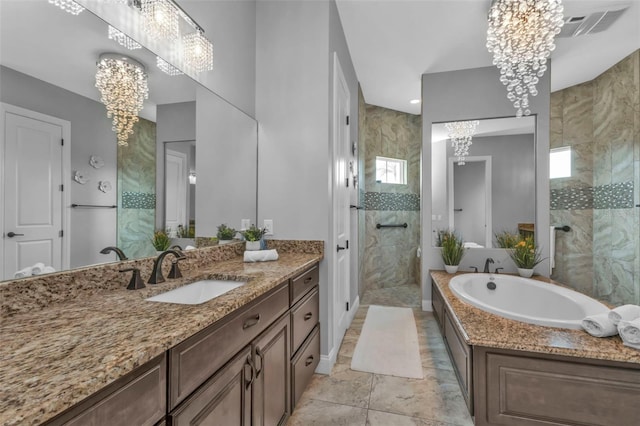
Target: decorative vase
{"x":525,"y":273}
{"x":252,"y":245}
{"x":451,"y":269}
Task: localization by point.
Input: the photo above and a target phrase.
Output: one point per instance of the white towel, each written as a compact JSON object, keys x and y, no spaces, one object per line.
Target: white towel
{"x":260,"y":255}
{"x":189,"y":248}
{"x":599,"y":325}
{"x":630,"y":331}
{"x":630,"y":345}
{"x":48,"y":270}
{"x":22,"y":273}
{"x":624,"y":313}
{"x":37,"y":268}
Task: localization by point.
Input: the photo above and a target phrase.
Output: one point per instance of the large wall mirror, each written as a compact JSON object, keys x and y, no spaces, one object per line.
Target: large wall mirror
{"x":121,"y":194}
{"x":494,"y":190}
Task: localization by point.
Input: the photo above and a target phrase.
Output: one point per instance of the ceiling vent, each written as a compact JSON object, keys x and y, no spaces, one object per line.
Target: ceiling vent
{"x":596,"y":22}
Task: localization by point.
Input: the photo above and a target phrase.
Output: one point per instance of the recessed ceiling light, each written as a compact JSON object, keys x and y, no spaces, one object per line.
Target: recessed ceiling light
{"x":414,"y":101}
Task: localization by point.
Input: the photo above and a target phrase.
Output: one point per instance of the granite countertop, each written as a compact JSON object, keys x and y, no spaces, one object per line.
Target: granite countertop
{"x":58,"y":356}
{"x":489,"y":330}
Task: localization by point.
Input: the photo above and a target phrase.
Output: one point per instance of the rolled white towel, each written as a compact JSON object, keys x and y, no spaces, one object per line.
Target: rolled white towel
{"x":599,"y":325}
{"x":189,"y":248}
{"x":48,"y":270}
{"x":630,"y":331}
{"x":260,"y":255}
{"x":37,"y":268}
{"x":24,"y":272}
{"x":624,"y":313}
{"x":630,"y":345}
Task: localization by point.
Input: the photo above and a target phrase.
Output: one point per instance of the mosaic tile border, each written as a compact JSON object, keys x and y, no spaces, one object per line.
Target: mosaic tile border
{"x":611,"y":196}
{"x":138,"y":200}
{"x":391,"y":201}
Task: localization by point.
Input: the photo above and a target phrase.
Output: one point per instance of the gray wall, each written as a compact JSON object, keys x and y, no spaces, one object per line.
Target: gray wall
{"x":175,"y":122}
{"x":91,"y":134}
{"x":474,"y":94}
{"x":294,"y":51}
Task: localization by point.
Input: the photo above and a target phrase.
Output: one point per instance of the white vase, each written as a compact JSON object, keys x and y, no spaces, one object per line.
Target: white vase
{"x":252,"y":245}
{"x":525,"y":273}
{"x":222,"y":242}
{"x":451,"y":269}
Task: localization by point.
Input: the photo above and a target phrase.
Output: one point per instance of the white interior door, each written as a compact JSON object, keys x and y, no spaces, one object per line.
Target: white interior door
{"x":175,"y":190}
{"x":341,"y":210}
{"x":32,"y":190}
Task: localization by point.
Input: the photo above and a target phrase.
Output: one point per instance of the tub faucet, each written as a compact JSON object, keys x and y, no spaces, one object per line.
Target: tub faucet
{"x":156,"y":275}
{"x":119,"y":253}
{"x":486,"y":265}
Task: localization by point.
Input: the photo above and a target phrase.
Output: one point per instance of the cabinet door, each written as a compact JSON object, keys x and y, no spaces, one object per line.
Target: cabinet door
{"x":271,"y":389}
{"x":225,"y":399}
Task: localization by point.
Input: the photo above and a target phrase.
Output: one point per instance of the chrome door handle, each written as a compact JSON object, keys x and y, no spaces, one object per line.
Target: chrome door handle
{"x":13,"y":234}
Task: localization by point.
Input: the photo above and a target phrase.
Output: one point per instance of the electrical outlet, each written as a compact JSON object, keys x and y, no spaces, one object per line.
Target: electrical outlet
{"x":245,"y":224}
{"x":268,"y":225}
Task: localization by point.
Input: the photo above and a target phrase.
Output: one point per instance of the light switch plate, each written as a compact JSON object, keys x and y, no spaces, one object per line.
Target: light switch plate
{"x":268,"y":225}
{"x":245,"y":224}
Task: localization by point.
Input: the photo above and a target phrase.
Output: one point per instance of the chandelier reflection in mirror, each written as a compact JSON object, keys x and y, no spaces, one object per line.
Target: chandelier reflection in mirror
{"x":68,"y":6}
{"x":122,"y":82}
{"x":521,"y":38}
{"x":460,"y":134}
{"x":160,"y":19}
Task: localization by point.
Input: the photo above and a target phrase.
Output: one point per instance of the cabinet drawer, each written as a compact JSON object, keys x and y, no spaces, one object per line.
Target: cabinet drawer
{"x":461,"y":356}
{"x":197,"y":358}
{"x":304,"y":364}
{"x":301,"y":284}
{"x":138,"y":398}
{"x":304,"y":317}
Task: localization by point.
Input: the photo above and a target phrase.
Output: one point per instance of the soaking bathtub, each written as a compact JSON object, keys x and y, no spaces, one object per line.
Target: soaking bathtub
{"x":525,"y":299}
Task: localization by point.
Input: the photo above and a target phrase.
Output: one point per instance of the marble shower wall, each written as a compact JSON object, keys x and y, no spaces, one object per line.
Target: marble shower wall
{"x":600,"y":120}
{"x":389,"y":258}
{"x":137,"y":191}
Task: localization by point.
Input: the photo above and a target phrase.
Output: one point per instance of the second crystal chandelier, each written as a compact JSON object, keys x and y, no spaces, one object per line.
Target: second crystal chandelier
{"x":460,"y":134}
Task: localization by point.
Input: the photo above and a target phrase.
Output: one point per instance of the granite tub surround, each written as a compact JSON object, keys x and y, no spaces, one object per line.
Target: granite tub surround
{"x":488,"y":330}
{"x":67,"y":348}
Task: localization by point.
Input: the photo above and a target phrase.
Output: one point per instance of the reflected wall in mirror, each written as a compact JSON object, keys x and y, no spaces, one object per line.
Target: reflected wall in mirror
{"x":49,"y":74}
{"x":494,"y":190}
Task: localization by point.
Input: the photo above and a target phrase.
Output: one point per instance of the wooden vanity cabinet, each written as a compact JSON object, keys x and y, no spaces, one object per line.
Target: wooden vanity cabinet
{"x":137,"y":398}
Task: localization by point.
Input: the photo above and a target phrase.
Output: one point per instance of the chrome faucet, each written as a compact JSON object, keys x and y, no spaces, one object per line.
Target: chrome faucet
{"x":486,"y":265}
{"x":156,"y":275}
{"x":119,"y":253}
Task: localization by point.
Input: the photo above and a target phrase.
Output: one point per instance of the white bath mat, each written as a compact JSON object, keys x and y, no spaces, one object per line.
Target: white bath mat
{"x":388,"y":343}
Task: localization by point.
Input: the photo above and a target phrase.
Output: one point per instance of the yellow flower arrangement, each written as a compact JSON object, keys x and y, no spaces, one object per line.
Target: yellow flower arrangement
{"x":525,"y":254}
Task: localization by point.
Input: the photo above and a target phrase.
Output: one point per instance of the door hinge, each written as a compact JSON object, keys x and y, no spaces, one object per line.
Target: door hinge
{"x":61,"y":233}
{"x":62,"y":142}
{"x":347,"y":306}
{"x":347,"y":120}
{"x":346,"y":181}
{"x":347,"y":244}
{"x":62,"y":187}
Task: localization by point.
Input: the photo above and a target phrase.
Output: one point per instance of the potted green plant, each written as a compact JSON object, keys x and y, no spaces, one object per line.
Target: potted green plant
{"x":452,"y":247}
{"x":526,"y":255}
{"x":253,"y":235}
{"x":506,"y":239}
{"x":225,"y":234}
{"x":161,"y":240}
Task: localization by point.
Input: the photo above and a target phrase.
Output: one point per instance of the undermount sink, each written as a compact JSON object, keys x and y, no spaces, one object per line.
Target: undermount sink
{"x":197,"y":292}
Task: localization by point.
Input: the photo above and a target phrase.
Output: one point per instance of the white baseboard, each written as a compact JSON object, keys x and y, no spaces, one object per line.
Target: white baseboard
{"x":326,"y":362}
{"x":354,"y":309}
{"x":426,"y":305}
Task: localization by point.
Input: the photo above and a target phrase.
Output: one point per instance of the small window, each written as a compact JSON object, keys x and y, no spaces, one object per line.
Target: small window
{"x":560,"y":162}
{"x":391,"y":170}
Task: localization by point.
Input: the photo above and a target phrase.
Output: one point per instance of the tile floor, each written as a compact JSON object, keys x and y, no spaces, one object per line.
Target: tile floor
{"x":348,"y":397}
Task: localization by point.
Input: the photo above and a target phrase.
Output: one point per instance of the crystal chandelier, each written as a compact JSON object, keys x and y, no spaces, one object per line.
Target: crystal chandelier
{"x":122,"y":39}
{"x":122,"y":82}
{"x":521,"y":37}
{"x":460,"y":134}
{"x":197,"y":51}
{"x":68,"y":6}
{"x":160,"y":19}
